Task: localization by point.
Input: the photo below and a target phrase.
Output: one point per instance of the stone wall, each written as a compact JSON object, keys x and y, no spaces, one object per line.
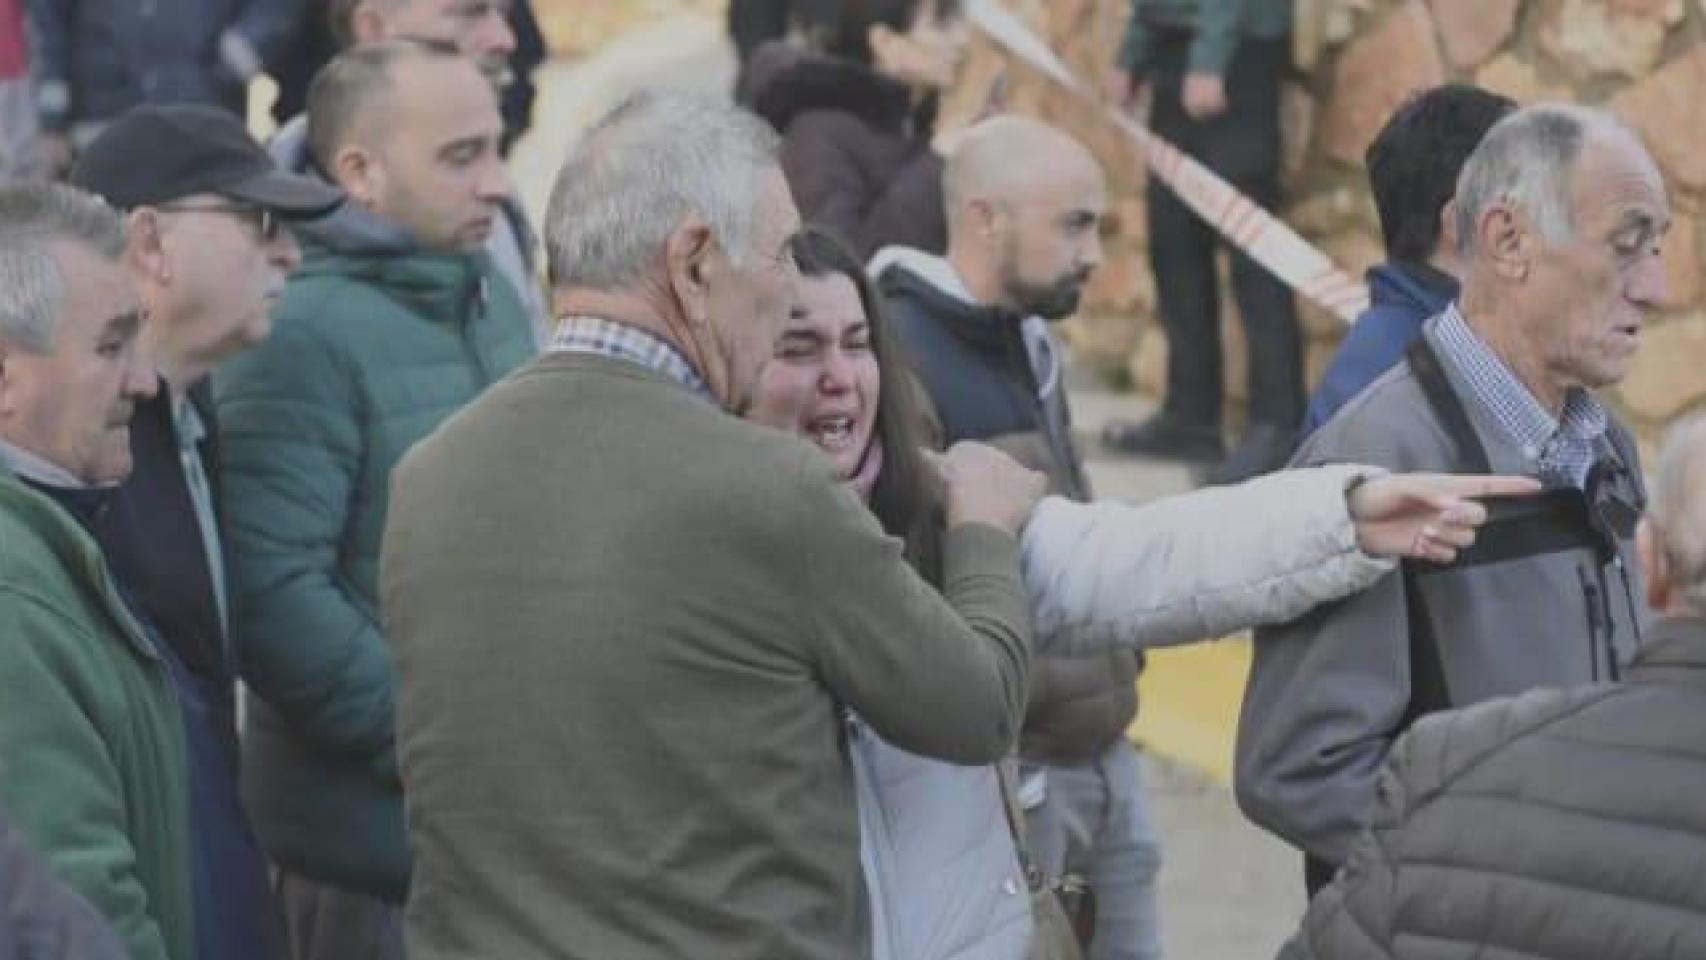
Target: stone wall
{"x":575,"y":28}
{"x":1357,"y":60}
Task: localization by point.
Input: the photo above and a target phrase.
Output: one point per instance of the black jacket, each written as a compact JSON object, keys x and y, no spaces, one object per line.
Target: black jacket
{"x":983,"y":384}
{"x":152,"y":539}
{"x":855,"y":150}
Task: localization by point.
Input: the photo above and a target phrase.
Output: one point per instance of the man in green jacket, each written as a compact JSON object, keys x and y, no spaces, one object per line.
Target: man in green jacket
{"x":394,"y":320}
{"x":92,"y":758}
{"x":624,"y":672}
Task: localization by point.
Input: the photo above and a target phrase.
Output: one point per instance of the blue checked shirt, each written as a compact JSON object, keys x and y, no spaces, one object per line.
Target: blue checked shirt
{"x":622,"y":342}
{"x":1561,"y":450}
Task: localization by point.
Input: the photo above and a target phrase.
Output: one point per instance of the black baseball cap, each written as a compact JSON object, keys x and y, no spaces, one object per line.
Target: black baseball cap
{"x":157,"y":153}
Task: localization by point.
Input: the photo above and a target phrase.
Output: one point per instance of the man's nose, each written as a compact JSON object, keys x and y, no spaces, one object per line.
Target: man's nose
{"x":1647,"y":285}
{"x":1091,"y":256}
{"x":493,"y":185}
{"x":284,"y":253}
{"x":496,"y":35}
{"x":142,"y":380}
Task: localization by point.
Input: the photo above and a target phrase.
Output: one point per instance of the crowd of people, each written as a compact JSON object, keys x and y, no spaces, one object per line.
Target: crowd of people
{"x":739,"y":590}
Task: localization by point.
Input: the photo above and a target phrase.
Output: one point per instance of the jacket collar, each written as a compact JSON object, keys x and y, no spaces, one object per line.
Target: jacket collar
{"x":1418,"y":285}
{"x":77,"y":550}
{"x":986,"y":328}
{"x":1674,"y":652}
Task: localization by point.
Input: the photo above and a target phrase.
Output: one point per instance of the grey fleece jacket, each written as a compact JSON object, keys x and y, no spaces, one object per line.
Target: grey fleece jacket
{"x":1329,"y":692}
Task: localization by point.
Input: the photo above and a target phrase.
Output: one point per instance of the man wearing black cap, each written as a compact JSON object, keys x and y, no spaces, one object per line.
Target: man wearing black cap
{"x":207,"y":248}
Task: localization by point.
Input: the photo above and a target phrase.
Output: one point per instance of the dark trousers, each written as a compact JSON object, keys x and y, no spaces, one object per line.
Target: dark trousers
{"x":1242,"y":145}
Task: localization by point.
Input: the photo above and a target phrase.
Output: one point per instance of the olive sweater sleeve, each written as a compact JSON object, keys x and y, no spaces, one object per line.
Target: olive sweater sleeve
{"x":940,"y":674}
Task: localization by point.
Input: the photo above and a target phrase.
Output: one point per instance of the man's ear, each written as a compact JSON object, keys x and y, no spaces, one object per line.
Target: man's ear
{"x":689,"y":260}
{"x":356,"y":171}
{"x":1506,"y":241}
{"x":1655,"y":569}
{"x":145,"y":245}
{"x":985,"y":216}
{"x":366,"y":23}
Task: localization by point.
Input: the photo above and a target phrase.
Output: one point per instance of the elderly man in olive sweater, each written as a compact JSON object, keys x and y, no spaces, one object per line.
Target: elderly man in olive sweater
{"x":624,"y":672}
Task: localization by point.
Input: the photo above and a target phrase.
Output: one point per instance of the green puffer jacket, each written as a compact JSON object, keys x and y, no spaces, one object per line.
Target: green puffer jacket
{"x":92,"y":763}
{"x":375,"y":343}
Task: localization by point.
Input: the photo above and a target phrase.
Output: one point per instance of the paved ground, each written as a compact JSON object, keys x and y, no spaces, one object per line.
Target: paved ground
{"x":1229,"y":892}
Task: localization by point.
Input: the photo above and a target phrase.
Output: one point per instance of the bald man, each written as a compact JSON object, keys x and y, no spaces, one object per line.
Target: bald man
{"x":1023,"y":238}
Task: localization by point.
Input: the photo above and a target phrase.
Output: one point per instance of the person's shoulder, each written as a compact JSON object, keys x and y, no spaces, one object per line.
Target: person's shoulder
{"x":1389,"y":424}
{"x":1444,"y":750}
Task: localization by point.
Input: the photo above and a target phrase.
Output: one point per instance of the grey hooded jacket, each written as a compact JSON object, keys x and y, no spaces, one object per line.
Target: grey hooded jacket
{"x":1330,"y":692}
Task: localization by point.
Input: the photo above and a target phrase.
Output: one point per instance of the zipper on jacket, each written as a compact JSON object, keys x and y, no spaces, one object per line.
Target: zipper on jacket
{"x":1628,"y":595}
{"x":1591,"y":596}
{"x":474,"y":312}
{"x":1613,"y":671}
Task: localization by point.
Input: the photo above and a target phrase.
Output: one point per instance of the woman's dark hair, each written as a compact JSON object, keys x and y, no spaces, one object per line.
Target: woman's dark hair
{"x":904,"y":497}
{"x":849,"y":36}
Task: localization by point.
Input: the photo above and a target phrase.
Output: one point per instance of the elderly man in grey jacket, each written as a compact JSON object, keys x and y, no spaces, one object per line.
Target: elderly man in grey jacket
{"x":1561,"y":824}
{"x":1560,"y":213}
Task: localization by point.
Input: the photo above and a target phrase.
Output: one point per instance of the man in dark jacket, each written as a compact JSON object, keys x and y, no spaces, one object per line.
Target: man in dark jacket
{"x":40,"y":918}
{"x":1211,"y":71}
{"x":98,"y":58}
{"x":209,"y":252}
{"x":1022,"y":241}
{"x":395,"y":319}
{"x":1559,"y":215}
{"x":1413,"y":166}
{"x":1561,"y":824}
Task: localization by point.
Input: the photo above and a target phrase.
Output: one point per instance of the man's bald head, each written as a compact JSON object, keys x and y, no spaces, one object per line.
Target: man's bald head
{"x":353,"y":97}
{"x":1025,"y":203}
{"x":1009,"y":156}
{"x":410,"y":131}
{"x":1676,"y":521}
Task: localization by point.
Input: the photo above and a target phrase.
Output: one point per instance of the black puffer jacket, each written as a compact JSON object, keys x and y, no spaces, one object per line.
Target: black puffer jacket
{"x":855,"y":149}
{"x":1561,"y":825}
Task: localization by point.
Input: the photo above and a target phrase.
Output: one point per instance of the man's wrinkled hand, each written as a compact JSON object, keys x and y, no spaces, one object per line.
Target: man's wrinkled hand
{"x":983,"y":485}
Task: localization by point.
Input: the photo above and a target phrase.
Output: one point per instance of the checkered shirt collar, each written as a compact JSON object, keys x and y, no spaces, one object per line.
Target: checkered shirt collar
{"x":1560,"y":449}
{"x":606,"y":338}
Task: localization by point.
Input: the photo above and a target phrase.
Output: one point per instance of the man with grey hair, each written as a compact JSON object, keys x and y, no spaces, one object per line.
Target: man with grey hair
{"x":395,"y":319}
{"x":1561,"y":824}
{"x":93,"y":768}
{"x":623,"y":682}
{"x":1561,"y":214}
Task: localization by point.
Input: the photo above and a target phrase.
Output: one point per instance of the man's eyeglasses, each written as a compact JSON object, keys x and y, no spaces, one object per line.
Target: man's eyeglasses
{"x":267,"y":224}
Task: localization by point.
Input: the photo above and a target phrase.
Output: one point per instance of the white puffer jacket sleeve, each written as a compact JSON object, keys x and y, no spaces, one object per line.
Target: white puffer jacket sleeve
{"x":1190,"y":567}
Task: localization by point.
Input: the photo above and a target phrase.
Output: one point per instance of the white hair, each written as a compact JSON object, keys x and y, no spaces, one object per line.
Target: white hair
{"x":33,"y":217}
{"x":1526,"y":160}
{"x":1678,"y":511}
{"x":654,"y":160}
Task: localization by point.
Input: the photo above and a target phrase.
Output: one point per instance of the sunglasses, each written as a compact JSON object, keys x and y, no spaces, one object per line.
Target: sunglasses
{"x":267,"y":224}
